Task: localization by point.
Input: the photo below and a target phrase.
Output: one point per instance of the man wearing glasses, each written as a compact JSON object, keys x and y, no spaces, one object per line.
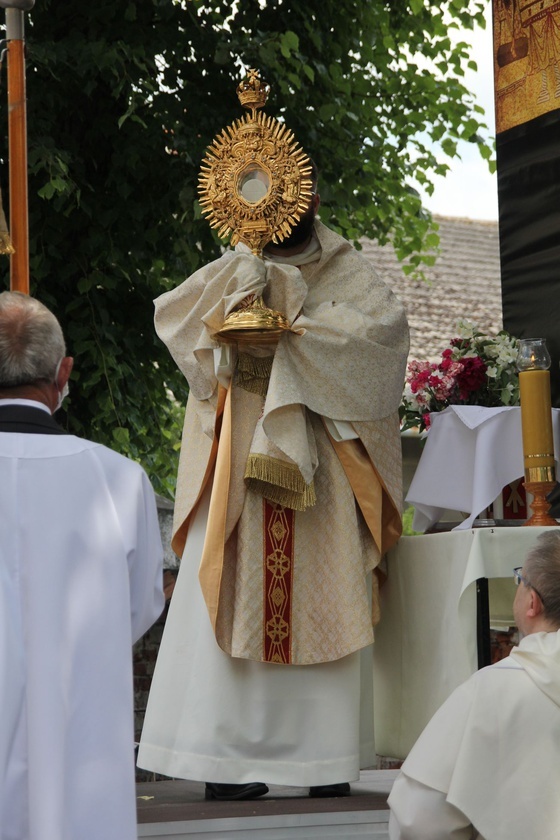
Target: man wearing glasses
{"x":487,"y":765}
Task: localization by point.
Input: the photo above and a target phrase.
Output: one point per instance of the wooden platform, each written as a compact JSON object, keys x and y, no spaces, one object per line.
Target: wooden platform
{"x":177,"y":810}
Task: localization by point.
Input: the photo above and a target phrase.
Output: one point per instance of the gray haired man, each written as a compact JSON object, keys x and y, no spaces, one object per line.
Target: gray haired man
{"x":486,"y":767}
{"x":80,"y":581}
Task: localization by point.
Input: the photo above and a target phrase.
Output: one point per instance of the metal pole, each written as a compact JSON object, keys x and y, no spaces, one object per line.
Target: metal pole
{"x":483,"y":639}
{"x":17,"y":142}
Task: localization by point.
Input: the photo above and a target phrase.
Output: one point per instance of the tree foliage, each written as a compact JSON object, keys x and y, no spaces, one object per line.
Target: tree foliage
{"x":123,"y":98}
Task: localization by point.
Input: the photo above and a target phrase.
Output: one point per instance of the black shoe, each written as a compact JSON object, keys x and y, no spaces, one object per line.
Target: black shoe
{"x":252,"y":790}
{"x":322,"y":791}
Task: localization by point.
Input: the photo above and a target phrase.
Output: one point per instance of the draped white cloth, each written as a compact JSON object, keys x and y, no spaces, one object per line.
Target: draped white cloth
{"x":80,"y":581}
{"x":470,"y":454}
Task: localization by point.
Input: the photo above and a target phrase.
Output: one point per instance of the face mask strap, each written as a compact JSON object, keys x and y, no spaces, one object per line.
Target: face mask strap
{"x":65,"y":390}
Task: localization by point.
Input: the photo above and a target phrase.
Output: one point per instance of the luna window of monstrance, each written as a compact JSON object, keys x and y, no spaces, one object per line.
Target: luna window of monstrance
{"x":254,"y":186}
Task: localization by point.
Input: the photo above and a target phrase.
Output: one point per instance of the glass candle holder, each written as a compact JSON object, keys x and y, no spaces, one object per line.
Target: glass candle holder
{"x":532,"y":354}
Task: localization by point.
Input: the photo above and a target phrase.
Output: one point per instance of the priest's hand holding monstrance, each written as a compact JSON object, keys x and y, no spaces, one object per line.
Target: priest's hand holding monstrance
{"x":255,"y":184}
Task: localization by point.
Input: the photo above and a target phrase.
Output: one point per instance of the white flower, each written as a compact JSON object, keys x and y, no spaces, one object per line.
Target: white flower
{"x":410,"y":399}
{"x":465,"y":329}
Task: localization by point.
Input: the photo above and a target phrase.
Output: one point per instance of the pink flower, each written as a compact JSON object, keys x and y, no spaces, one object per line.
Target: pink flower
{"x":419,"y":380}
{"x":446,"y":360}
{"x":454,"y":369}
{"x":443,"y":391}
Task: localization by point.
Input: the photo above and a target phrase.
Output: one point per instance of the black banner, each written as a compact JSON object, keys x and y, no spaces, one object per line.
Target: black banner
{"x":527,"y":92}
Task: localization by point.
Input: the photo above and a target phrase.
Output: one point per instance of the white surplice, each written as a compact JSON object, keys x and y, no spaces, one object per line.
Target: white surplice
{"x":80,"y":582}
{"x":486,"y":766}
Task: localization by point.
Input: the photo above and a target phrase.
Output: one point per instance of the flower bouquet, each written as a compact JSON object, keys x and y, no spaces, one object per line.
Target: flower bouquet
{"x":475,"y":369}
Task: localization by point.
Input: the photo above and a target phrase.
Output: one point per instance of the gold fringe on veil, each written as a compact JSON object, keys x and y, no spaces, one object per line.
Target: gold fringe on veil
{"x":279,"y":482}
{"x":252,"y":373}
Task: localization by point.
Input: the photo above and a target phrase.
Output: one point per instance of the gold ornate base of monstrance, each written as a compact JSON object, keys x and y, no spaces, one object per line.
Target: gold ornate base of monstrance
{"x":254,"y":323}
{"x":254,"y":186}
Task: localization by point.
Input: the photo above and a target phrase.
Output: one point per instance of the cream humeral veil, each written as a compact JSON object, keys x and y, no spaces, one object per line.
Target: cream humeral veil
{"x":344,"y":359}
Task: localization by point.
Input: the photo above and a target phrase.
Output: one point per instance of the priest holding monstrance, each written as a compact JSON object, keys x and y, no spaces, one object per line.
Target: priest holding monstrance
{"x":289,"y":485}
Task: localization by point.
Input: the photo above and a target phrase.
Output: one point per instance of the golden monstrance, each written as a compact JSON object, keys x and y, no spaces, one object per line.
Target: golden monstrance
{"x":255,"y":184}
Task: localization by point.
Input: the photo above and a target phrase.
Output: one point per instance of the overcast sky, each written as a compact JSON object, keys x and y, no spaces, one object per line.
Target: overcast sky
{"x":469,"y":190}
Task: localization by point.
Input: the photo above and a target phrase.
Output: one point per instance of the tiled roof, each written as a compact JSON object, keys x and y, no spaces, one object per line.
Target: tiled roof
{"x":463,"y":283}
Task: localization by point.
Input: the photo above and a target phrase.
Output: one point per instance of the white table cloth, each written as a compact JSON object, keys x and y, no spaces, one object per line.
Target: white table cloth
{"x":425,"y":644}
{"x":470,"y":454}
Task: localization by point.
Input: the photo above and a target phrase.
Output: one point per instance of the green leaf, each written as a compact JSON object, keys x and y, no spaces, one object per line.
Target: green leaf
{"x":309,"y":72}
{"x":449,"y":147}
{"x":121,"y":437}
{"x":431,"y":240}
{"x":289,"y":43}
{"x":47,"y":191}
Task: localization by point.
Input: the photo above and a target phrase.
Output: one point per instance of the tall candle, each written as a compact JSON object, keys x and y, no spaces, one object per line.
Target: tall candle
{"x":536,"y":418}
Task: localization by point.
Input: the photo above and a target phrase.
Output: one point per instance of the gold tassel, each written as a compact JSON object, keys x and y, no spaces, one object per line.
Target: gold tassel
{"x":279,"y":482}
{"x":252,"y":373}
{"x":6,"y":246}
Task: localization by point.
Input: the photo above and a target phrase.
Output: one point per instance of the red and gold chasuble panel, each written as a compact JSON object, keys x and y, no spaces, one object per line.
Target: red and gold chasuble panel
{"x":278,"y":580}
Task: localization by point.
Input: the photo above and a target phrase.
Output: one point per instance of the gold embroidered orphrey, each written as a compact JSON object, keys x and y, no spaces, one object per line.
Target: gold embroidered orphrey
{"x":255,"y":184}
